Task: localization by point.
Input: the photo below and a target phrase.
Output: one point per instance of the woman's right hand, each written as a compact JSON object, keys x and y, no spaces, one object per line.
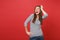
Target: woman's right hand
{"x":28,"y":33}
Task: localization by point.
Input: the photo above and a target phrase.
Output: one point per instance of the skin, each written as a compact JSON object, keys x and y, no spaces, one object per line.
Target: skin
{"x":37,"y":10}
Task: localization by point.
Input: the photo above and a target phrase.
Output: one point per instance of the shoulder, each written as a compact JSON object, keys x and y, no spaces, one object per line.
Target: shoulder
{"x":32,"y":14}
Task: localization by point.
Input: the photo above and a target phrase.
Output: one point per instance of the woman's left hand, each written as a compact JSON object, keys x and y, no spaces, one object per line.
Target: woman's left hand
{"x":41,"y":7}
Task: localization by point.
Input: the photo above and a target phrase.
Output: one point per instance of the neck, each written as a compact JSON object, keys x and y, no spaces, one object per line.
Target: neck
{"x":37,"y":14}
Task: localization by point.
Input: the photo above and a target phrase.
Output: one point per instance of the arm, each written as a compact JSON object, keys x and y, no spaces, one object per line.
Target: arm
{"x":27,"y":20}
{"x":45,"y":15}
{"x":27,"y":32}
{"x":26,"y":23}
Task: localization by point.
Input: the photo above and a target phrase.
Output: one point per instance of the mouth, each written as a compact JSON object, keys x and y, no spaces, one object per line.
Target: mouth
{"x":36,"y":12}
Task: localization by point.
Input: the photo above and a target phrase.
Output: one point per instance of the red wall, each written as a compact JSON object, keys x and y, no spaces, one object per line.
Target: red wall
{"x":14,"y":12}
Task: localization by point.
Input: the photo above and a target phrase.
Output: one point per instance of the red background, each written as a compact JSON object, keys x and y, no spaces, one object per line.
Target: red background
{"x":14,"y":12}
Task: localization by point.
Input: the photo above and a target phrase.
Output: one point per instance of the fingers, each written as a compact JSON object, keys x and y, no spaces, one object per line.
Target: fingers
{"x":41,"y":6}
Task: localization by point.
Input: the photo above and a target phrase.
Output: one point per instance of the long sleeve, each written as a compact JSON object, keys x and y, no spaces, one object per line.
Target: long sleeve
{"x":45,"y":16}
{"x":27,"y":20}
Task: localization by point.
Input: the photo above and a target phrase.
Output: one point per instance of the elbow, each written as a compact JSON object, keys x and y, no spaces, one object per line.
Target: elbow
{"x":46,"y":15}
{"x":25,"y":24}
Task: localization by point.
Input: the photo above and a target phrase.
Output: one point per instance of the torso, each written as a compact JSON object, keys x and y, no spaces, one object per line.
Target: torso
{"x":35,"y":28}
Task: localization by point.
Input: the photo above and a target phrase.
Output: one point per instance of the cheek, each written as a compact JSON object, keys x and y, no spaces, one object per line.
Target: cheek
{"x":38,"y":10}
{"x":35,"y":10}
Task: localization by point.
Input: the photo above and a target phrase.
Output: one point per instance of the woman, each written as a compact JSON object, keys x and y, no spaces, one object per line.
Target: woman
{"x":35,"y":20}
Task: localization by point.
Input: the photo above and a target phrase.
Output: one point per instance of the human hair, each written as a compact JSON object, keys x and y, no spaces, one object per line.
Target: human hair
{"x":40,"y":14}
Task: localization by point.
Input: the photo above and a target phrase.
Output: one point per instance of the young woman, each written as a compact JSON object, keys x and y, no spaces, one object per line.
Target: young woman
{"x":35,"y":20}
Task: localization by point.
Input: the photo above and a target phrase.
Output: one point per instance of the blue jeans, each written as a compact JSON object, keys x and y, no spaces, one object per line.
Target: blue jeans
{"x":37,"y":38}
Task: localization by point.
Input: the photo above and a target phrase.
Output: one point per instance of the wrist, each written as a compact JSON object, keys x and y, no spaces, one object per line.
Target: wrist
{"x":41,"y":9}
{"x":26,"y":31}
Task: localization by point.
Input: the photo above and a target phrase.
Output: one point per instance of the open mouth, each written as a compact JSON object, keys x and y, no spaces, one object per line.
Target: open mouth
{"x":36,"y":12}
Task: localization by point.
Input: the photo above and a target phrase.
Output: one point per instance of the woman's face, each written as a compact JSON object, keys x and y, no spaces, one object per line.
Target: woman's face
{"x":37,"y":10}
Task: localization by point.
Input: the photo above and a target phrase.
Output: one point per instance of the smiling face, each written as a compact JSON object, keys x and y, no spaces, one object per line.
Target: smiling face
{"x":37,"y":10}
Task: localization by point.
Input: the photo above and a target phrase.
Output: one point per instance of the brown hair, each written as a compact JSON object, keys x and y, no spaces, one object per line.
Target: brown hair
{"x":40,"y":15}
